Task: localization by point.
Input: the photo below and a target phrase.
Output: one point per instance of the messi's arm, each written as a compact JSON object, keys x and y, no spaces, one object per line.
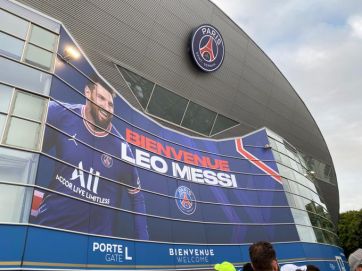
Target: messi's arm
{"x":138,"y":205}
{"x":50,"y":135}
{"x":136,"y":196}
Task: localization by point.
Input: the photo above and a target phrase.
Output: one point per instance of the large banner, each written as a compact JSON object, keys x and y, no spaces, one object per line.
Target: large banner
{"x":107,"y":169}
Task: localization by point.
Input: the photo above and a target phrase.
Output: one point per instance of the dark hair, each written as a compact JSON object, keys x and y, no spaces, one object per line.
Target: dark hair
{"x":262,"y":255}
{"x":312,"y":268}
{"x":248,"y":267}
{"x":95,"y":79}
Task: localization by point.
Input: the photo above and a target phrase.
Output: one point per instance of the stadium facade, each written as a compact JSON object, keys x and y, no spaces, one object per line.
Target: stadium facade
{"x":153,"y":135}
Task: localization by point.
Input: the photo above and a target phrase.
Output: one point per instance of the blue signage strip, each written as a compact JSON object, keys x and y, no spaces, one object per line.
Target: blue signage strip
{"x":12,"y":244}
{"x":48,"y":249}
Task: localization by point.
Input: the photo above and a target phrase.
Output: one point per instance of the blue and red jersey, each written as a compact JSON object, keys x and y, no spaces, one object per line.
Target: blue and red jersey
{"x":90,"y":169}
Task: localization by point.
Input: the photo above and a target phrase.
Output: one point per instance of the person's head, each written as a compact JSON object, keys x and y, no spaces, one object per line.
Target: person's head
{"x":99,"y":102}
{"x":263,"y":257}
{"x":248,"y":267}
{"x":224,"y":266}
{"x":311,"y":267}
{"x":355,"y":260}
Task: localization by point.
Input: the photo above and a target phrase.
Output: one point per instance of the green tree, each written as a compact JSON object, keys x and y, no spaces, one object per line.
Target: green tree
{"x":350,"y":231}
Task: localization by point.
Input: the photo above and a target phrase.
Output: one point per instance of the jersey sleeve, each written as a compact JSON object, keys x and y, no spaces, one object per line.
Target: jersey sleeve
{"x":50,"y":135}
{"x":137,"y":200}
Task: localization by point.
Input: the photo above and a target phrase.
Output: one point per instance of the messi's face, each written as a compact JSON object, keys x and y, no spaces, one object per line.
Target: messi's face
{"x":101,"y":107}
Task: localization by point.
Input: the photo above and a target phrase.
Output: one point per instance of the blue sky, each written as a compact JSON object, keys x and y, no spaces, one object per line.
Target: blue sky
{"x":317,"y":44}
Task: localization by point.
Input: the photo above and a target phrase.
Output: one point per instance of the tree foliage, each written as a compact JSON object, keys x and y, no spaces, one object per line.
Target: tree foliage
{"x":350,"y":231}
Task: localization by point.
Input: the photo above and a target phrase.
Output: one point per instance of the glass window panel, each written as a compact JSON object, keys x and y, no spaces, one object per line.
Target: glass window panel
{"x":301,"y":217}
{"x":277,"y":156}
{"x":285,"y":160}
{"x":292,"y":155}
{"x":140,"y":87}
{"x":330,"y":238}
{"x":14,"y":203}
{"x":43,"y":38}
{"x":319,"y":235}
{"x":281,"y":147}
{"x":2,"y":123}
{"x":29,"y":106}
{"x":5,"y":97}
{"x":23,"y":133}
{"x":285,"y":172}
{"x":167,"y":105}
{"x":301,"y":159}
{"x":305,"y":192}
{"x":17,"y":166}
{"x":13,"y":25}
{"x":294,"y":165}
{"x":327,"y":170}
{"x":199,"y":118}
{"x":25,"y":77}
{"x":290,"y":199}
{"x":272,"y":143}
{"x":286,"y":185}
{"x":274,"y":135}
{"x":314,"y":219}
{"x":11,"y":46}
{"x":299,"y":202}
{"x":306,"y":234}
{"x":222,"y":123}
{"x":300,"y":178}
{"x":38,"y":57}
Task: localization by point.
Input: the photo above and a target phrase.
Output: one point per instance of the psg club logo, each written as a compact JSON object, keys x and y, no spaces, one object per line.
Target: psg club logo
{"x":207,"y":48}
{"x":185,"y":200}
{"x":107,"y":161}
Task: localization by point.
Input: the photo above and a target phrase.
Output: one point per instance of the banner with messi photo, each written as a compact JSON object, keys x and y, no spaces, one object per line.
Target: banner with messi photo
{"x":107,"y":169}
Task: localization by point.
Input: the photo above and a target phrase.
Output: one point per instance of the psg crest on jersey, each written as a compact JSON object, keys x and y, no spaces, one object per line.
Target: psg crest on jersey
{"x":207,"y":48}
{"x":185,"y":200}
{"x":107,"y":160}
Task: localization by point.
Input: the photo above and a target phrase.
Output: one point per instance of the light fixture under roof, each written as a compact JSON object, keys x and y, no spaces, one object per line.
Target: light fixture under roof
{"x":71,"y":53}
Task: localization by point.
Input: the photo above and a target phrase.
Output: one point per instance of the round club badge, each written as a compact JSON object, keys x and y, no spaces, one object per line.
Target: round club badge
{"x":207,"y":48}
{"x":185,"y":200}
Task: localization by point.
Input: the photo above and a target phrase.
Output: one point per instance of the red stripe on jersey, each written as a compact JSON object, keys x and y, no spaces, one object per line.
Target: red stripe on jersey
{"x":37,"y":199}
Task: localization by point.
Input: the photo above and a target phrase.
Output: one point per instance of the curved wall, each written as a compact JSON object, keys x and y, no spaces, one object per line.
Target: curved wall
{"x":247,"y":88}
{"x":116,"y":191}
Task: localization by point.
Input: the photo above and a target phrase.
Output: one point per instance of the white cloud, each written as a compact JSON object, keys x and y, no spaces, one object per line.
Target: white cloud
{"x":356,"y":24}
{"x":310,"y":58}
{"x":317,"y":45}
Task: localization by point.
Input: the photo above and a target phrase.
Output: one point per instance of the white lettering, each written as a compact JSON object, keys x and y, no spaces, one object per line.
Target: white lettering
{"x":143,"y":159}
{"x":124,"y":154}
{"x":183,"y":173}
{"x":161,"y":169}
{"x":203,"y":176}
{"x":127,"y":257}
{"x":196,"y":175}
{"x":78,"y":173}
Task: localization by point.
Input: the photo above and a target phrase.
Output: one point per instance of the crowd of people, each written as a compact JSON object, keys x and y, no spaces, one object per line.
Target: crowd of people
{"x":263,"y":258}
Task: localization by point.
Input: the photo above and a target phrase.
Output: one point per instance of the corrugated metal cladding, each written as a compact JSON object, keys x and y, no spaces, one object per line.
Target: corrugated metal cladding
{"x":151,"y":39}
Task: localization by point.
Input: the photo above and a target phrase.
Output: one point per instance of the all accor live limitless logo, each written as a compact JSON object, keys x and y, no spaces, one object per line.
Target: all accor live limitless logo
{"x":207,"y":48}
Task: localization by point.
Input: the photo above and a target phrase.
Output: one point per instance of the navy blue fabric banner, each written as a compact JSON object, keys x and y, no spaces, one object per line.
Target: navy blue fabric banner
{"x":109,"y":170}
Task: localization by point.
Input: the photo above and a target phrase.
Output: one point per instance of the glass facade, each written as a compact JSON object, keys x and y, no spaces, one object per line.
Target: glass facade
{"x":308,"y":208}
{"x":22,"y":110}
{"x":22,"y":118}
{"x":27,"y":42}
{"x":22,"y":76}
{"x":167,"y":105}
